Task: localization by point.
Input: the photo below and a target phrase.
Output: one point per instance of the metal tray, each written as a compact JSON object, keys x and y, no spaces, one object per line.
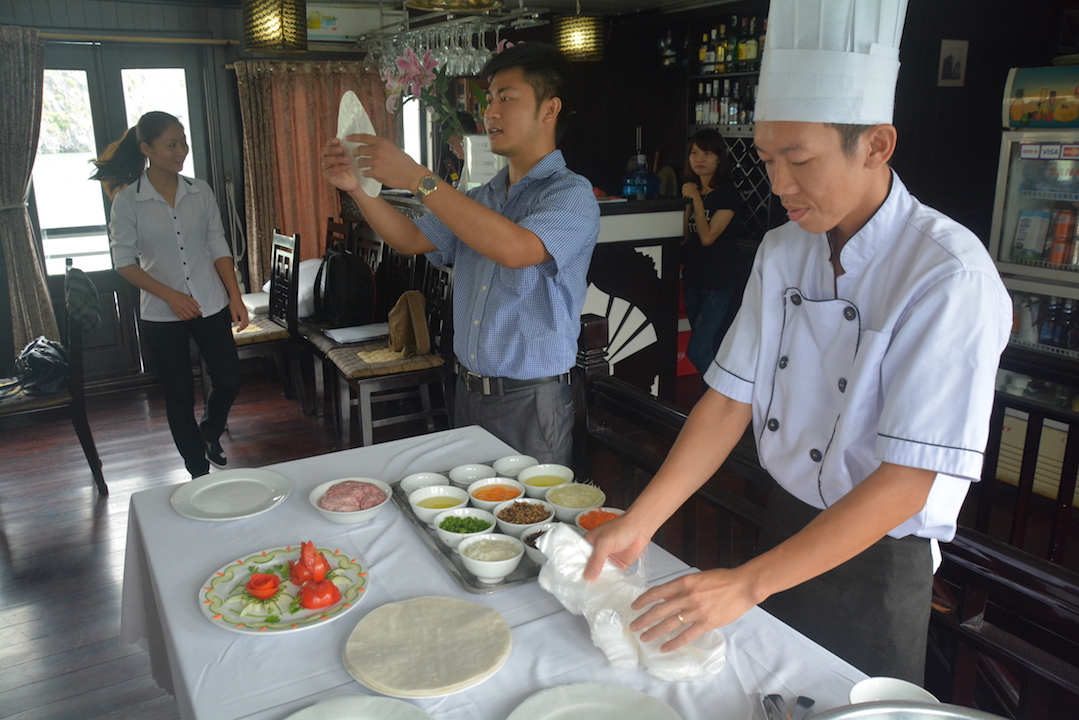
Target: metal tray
{"x":526,"y":572}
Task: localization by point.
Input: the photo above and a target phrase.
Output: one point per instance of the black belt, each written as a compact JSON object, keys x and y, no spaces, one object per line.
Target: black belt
{"x":500,"y":385}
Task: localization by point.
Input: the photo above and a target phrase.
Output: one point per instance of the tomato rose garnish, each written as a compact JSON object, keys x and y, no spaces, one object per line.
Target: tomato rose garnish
{"x":312,"y":565}
{"x":318,"y":593}
{"x":263,"y":585}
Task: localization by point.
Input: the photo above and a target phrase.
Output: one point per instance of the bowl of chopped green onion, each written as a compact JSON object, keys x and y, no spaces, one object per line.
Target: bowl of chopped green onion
{"x":453,"y":526}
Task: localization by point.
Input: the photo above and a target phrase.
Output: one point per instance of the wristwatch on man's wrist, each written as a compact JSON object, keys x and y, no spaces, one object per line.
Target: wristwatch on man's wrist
{"x":427,"y":186}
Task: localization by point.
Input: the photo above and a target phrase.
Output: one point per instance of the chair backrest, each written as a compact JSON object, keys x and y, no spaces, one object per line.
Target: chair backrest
{"x":436,"y":284}
{"x":72,"y":338}
{"x":284,"y":281}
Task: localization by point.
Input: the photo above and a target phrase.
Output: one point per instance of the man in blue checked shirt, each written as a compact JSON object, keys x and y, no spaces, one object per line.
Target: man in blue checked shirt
{"x":520,"y":245}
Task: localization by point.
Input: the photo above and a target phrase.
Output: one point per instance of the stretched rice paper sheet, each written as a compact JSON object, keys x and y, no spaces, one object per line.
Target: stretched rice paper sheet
{"x":352,"y":119}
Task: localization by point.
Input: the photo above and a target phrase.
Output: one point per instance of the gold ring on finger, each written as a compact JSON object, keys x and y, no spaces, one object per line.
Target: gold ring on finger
{"x":680,"y":618}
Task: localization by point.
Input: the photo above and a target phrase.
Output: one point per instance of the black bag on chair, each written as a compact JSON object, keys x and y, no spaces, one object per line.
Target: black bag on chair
{"x":41,"y":367}
{"x":347,"y":297}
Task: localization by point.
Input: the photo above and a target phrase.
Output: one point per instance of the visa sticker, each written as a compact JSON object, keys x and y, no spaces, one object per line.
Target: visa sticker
{"x":1050,"y":151}
{"x":1029,"y":151}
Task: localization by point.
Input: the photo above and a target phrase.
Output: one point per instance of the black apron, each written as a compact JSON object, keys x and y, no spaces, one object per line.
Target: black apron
{"x":872,"y":611}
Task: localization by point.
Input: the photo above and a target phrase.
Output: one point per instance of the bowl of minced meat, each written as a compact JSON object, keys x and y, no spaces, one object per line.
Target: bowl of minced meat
{"x":350,"y":501}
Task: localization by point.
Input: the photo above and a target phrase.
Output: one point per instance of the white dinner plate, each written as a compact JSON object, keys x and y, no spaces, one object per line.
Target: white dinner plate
{"x":360,"y":707}
{"x":231,"y":494}
{"x":351,"y":580}
{"x":593,"y":701}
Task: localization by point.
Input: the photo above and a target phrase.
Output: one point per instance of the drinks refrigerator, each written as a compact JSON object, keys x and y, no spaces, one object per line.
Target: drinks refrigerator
{"x":1035,"y":234}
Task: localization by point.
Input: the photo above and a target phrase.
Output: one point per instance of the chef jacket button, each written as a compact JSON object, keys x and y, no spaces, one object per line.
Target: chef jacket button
{"x":782,"y":362}
{"x":842,"y":384}
{"x":796,"y":299}
{"x":815,"y":455}
{"x":849,"y":313}
{"x":773,"y":424}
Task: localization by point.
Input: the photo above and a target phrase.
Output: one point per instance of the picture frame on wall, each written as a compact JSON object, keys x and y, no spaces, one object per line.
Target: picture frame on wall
{"x":952,"y":68}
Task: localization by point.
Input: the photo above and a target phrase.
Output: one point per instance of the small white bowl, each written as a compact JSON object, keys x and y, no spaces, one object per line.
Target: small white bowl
{"x":515,"y":529}
{"x":427,"y":515}
{"x":464,"y":475}
{"x":577,"y":520}
{"x":416,"y":481}
{"x":453,"y":539}
{"x":568,"y":514}
{"x":491,"y":572}
{"x":510,"y":465}
{"x":349,"y":518}
{"x":538,"y":491}
{"x":486,"y":482}
{"x":876,"y":689}
{"x":534,"y":553}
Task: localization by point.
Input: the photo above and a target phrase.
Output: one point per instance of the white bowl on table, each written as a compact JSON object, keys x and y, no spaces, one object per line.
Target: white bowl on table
{"x":417,"y":481}
{"x":448,"y":492}
{"x":453,"y":539}
{"x":518,"y":529}
{"x":561,"y":472}
{"x":535,"y":554}
{"x":354,"y":517}
{"x":464,"y":475}
{"x":491,"y":572}
{"x":577,"y":520}
{"x":511,"y":465}
{"x":488,"y":482}
{"x":878,"y":689}
{"x":568,"y":513}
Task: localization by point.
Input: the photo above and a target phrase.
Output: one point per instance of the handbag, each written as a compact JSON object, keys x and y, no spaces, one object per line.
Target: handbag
{"x":41,"y":367}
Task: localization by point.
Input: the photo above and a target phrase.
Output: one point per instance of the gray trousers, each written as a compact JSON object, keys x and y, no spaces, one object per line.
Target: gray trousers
{"x":536,"y":421}
{"x":872,"y":611}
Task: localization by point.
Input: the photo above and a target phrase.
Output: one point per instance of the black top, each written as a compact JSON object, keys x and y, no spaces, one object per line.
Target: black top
{"x":713,"y":267}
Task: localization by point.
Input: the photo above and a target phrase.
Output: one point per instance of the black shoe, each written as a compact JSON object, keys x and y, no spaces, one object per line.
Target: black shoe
{"x":216,"y":455}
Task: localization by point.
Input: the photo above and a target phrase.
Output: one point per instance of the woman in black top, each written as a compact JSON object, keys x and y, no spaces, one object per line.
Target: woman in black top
{"x":709,"y":253}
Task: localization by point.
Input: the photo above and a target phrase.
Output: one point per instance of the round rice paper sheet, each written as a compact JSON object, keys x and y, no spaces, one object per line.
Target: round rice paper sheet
{"x":427,"y":647}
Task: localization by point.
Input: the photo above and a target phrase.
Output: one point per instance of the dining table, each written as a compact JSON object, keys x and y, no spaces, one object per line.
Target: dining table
{"x":215,"y":673}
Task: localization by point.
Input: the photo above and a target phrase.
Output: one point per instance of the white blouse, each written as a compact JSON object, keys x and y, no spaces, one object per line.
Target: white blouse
{"x":175,"y":245}
{"x":894,"y":361}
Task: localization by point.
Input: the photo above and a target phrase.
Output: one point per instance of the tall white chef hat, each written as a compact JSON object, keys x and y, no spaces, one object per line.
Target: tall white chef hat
{"x":832,"y":61}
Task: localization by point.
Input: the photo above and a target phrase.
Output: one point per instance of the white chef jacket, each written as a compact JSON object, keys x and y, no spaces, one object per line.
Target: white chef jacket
{"x":177,"y":246}
{"x":894,"y":361}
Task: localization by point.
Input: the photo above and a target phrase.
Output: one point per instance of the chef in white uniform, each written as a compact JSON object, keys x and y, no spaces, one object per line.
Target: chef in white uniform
{"x":864,"y":353}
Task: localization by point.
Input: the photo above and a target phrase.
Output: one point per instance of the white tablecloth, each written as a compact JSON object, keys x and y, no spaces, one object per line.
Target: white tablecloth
{"x":215,"y":673}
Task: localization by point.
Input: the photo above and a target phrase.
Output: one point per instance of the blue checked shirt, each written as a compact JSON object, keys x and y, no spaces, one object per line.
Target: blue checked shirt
{"x":523,"y":324}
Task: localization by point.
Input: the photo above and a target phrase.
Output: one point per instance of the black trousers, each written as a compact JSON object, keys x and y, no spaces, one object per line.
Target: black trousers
{"x":872,"y":611}
{"x":536,"y":421}
{"x":169,"y":344}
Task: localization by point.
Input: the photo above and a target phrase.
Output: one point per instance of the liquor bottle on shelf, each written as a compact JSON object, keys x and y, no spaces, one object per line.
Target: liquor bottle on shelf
{"x":1047,"y":331}
{"x":735,"y":109}
{"x":760,"y":40}
{"x":698,"y":108}
{"x":721,"y":50}
{"x":732,"y":44}
{"x":717,"y":104}
{"x":752,"y":46}
{"x":702,"y":51}
{"x":709,"y":64}
{"x":1066,"y":320}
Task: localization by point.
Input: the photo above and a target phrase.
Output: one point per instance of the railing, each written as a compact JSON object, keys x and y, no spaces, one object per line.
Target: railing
{"x":1004,"y":631}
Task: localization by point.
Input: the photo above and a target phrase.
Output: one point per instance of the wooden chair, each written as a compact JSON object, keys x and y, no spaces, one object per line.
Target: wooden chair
{"x":21,"y":410}
{"x":397,"y":386}
{"x":271,"y":334}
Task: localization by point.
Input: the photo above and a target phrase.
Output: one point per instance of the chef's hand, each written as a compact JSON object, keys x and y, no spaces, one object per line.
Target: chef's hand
{"x":691,"y":191}
{"x":183,"y":305}
{"x":705,"y":600}
{"x":622,"y":540}
{"x":337,"y":167}
{"x":387,"y":163}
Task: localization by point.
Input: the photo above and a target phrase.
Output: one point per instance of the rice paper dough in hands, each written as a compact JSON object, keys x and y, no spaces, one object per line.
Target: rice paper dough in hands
{"x":352,"y":119}
{"x":606,"y":604}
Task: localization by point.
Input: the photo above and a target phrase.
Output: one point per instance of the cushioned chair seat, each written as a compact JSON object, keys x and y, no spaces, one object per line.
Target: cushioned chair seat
{"x":352,"y":366}
{"x":21,"y":402}
{"x":260,"y":329}
{"x":315,"y":335}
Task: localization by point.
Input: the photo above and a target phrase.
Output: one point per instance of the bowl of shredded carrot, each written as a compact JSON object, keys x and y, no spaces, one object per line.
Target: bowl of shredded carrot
{"x":489,"y":492}
{"x":594,"y":517}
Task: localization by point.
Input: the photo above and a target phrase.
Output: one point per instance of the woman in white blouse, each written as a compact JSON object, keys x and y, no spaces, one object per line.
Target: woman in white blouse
{"x":167,"y":240}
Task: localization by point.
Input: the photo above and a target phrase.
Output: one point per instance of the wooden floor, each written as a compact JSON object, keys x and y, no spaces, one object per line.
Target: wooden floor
{"x":62,"y":546}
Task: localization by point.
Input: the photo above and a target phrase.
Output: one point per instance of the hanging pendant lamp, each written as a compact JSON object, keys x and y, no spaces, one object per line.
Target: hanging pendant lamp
{"x":454,"y":6}
{"x":579,"y":37}
{"x":275,"y":25}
